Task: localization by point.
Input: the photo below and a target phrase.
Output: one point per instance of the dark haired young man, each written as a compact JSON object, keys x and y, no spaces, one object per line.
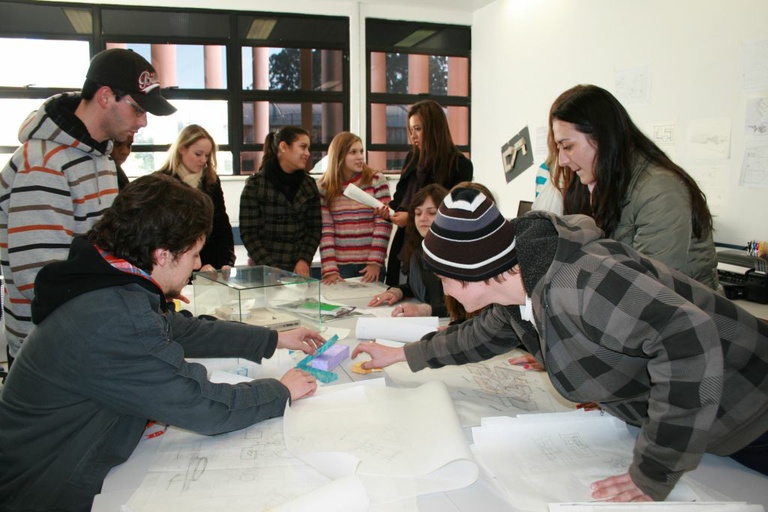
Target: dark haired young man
{"x":107,"y":353}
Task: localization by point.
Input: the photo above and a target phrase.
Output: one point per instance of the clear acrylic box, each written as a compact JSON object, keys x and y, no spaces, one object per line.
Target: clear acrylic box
{"x":259,"y":295}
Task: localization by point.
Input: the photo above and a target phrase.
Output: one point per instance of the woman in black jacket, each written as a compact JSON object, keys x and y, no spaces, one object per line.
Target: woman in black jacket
{"x":192,"y":159}
{"x":434,"y":158}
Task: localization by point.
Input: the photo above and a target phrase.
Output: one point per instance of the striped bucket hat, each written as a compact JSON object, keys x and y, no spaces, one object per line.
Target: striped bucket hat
{"x":469,"y":240}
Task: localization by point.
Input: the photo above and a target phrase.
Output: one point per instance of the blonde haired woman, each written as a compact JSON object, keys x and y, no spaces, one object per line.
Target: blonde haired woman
{"x":192,"y":159}
{"x":354,"y":239}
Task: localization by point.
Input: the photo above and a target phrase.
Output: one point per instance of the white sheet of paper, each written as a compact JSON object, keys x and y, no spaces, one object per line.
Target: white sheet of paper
{"x":244,"y":470}
{"x":555,"y":460}
{"x":272,"y":368}
{"x":328,"y":332}
{"x":488,"y":388}
{"x":357,"y":194}
{"x":347,"y":493}
{"x":405,"y":329}
{"x":383,"y":436}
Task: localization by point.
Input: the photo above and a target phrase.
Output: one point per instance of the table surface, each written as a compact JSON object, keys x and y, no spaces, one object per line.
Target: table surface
{"x":722,"y":477}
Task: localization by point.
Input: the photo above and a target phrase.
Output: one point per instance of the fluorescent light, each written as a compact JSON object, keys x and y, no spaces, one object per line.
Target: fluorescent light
{"x":261,"y":28}
{"x":80,"y":19}
{"x":416,"y":37}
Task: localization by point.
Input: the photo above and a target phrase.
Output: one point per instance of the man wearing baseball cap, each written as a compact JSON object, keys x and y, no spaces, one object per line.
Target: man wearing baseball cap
{"x":61,"y":180}
{"x":652,"y":346}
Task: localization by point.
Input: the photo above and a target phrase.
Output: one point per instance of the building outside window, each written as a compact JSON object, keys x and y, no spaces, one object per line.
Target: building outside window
{"x":237,"y":74}
{"x":409,"y":62}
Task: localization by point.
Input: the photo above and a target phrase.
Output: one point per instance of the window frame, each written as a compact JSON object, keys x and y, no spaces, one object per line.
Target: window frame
{"x":432,"y":46}
{"x":233,"y":42}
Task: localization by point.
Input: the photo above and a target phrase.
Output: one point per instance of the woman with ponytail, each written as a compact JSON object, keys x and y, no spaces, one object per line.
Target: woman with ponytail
{"x":280,"y":205}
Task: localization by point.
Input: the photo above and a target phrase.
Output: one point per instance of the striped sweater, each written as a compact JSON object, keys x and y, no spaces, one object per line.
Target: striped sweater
{"x":352,"y":234}
{"x":55,"y":186}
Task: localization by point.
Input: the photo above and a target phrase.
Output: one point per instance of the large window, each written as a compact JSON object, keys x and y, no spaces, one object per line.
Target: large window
{"x":240,"y":75}
{"x":409,"y":62}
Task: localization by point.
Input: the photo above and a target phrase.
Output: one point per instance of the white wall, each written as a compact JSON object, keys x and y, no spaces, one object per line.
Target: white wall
{"x":526,"y":52}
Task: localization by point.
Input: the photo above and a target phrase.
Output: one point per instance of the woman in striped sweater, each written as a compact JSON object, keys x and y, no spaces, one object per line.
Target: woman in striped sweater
{"x":354,"y":240}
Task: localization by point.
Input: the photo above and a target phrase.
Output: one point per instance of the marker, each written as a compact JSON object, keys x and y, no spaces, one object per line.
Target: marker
{"x":156,"y":434}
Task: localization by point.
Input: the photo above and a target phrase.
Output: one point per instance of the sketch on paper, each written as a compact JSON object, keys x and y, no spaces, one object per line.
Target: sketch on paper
{"x":505,"y":387}
{"x":633,"y":85}
{"x":489,"y":388}
{"x":709,"y":139}
{"x":754,"y":168}
{"x":249,"y":468}
{"x":543,"y":458}
{"x":754,"y":65}
{"x":712,"y":181}
{"x":664,"y":134}
{"x":756,"y":118}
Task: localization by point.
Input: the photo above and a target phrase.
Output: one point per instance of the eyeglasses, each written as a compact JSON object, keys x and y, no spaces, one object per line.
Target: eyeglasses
{"x":136,"y":109}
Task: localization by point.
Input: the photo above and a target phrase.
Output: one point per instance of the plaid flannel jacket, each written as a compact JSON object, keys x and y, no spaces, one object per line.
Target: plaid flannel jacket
{"x":651,"y":345}
{"x":275,"y":231}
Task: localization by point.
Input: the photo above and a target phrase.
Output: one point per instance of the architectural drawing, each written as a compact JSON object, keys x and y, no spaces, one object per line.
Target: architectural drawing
{"x":489,"y":388}
{"x":250,"y":468}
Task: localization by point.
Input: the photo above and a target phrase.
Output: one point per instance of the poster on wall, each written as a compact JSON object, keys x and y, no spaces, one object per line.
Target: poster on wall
{"x":517,"y":155}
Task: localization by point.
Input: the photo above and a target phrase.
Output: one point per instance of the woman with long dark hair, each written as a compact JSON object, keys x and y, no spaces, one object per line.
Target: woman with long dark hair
{"x":433,"y":158}
{"x":635,"y":193}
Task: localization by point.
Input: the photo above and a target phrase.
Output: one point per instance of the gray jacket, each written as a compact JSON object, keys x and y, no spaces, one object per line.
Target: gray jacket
{"x":656,"y":220}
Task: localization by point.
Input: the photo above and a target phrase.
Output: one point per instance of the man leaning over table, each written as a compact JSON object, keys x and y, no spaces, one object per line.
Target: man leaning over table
{"x":648,"y":344}
{"x":107,"y":353}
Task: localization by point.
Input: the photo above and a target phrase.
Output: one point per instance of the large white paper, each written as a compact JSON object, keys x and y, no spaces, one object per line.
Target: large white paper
{"x":754,"y":167}
{"x":709,"y":139}
{"x":383,"y":436}
{"x":406,"y":329}
{"x":271,"y":368}
{"x":356,"y":193}
{"x":488,"y":388}
{"x":347,"y":494}
{"x":541,"y":459}
{"x":244,"y":470}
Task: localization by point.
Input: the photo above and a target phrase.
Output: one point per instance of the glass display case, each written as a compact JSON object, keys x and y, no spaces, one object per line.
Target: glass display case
{"x":259,"y":295}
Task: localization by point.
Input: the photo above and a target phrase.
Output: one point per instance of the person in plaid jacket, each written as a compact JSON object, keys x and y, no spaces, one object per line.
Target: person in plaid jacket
{"x":280,"y":219}
{"x":649,"y":344}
